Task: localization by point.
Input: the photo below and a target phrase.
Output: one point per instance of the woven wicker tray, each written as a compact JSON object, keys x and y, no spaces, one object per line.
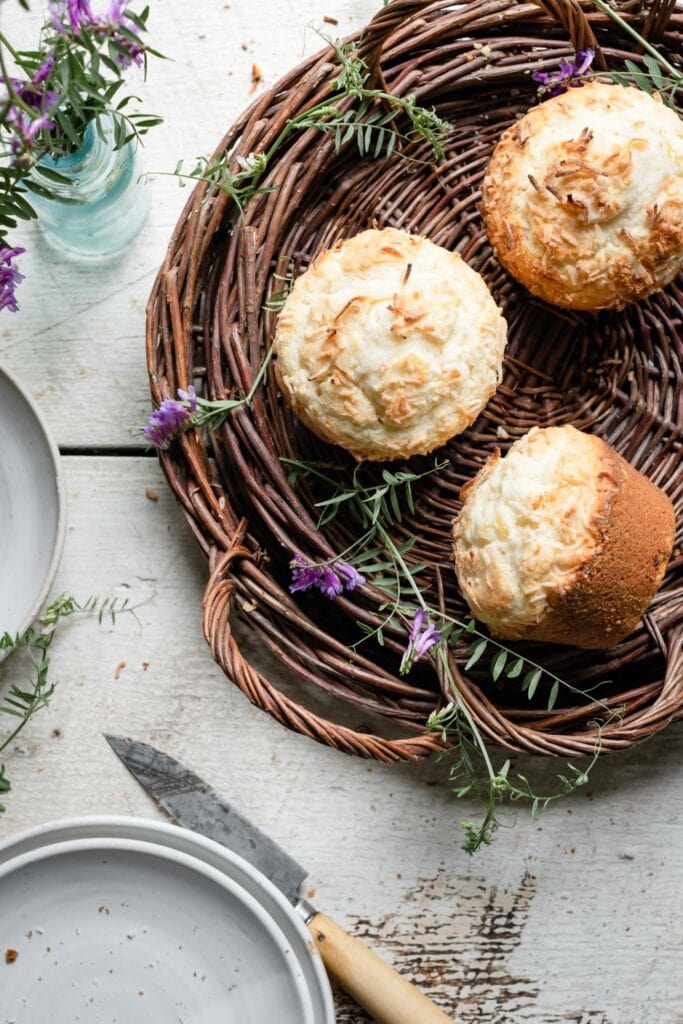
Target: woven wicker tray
{"x":616,"y":374}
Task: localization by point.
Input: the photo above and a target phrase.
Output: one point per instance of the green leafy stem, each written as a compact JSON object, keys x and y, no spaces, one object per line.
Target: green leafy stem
{"x":22,"y":702}
{"x":355,"y":111}
{"x":376,"y":507}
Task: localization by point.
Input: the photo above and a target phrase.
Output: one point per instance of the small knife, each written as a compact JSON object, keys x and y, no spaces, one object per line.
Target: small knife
{"x":192,"y":803}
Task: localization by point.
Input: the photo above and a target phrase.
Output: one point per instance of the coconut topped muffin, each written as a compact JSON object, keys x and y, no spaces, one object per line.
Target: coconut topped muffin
{"x":389,"y":345}
{"x":583,"y":197}
{"x":562,"y":541}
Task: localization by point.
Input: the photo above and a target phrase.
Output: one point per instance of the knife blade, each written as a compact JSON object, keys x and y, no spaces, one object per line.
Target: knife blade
{"x":194,"y":804}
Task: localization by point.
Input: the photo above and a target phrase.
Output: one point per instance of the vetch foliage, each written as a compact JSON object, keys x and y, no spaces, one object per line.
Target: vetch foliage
{"x":377,"y":122}
{"x":431,"y":633}
{"x":21,"y":702}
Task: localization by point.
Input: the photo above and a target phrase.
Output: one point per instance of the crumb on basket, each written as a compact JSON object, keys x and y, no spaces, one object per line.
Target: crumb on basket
{"x":249,"y":606}
{"x":11,"y":956}
{"x":119,"y":669}
{"x":256,"y":76}
{"x":151,"y":494}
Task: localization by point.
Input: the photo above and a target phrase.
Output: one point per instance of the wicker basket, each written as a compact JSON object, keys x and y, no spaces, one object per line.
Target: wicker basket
{"x":617,"y":374}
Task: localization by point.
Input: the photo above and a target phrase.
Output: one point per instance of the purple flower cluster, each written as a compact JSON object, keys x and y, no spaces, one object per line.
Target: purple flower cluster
{"x":76,"y":15}
{"x":423,"y":636}
{"x":41,"y":100}
{"x":134,"y":51}
{"x":9,"y":279}
{"x":73,"y":15}
{"x":171,"y":419}
{"x":569,"y":74}
{"x":67,"y":17}
{"x":330,"y":579}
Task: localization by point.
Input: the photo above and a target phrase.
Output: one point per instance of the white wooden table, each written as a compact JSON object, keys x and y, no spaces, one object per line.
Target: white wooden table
{"x":576,"y":918}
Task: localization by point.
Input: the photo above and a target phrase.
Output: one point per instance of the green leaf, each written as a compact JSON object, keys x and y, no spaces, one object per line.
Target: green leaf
{"x":475,"y":652}
{"x":409,"y":498}
{"x":531,"y":681}
{"x":641,"y":79}
{"x":552,"y":699}
{"x":655,"y":70}
{"x":406,"y":546}
{"x":498,"y":664}
{"x":336,"y":500}
{"x":365,"y":556}
{"x":51,"y":175}
{"x":515,"y":669}
{"x":396,"y":508}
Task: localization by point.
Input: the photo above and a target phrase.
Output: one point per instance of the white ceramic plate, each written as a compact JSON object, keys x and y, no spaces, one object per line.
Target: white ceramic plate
{"x":31,"y":508}
{"x":126,"y":932}
{"x":210,"y":853}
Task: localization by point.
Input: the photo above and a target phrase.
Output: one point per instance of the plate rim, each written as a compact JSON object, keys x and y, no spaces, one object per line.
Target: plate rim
{"x":159,"y":851}
{"x":164,"y":832}
{"x":60,"y":532}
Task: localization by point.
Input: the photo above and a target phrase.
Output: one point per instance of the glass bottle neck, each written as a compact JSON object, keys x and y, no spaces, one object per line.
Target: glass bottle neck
{"x":88,"y":168}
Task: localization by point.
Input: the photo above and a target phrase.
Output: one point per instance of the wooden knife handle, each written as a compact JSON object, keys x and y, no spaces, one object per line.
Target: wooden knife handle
{"x":373,"y":983}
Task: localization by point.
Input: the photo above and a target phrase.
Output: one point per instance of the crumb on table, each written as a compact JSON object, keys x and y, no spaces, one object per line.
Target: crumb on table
{"x":256,"y":76}
{"x":11,"y":956}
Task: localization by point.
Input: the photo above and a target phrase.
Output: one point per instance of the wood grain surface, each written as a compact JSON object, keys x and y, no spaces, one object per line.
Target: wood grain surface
{"x":575,"y":919}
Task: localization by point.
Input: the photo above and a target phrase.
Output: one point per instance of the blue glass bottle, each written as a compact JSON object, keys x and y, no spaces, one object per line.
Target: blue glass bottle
{"x":102,"y":206}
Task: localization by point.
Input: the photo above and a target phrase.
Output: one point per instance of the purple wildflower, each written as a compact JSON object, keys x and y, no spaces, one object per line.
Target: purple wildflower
{"x":423,"y":636}
{"x":353,"y":578}
{"x":304,"y":575}
{"x":170,"y":419}
{"x":135,"y":54}
{"x":26,"y":131}
{"x":330,"y":579}
{"x":189,"y":396}
{"x":33,"y":94}
{"x":115,"y":18}
{"x":72,"y":15}
{"x":329,"y":583}
{"x":569,"y":74}
{"x":45,"y":70}
{"x":9,"y":279}
{"x":76,"y":15}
